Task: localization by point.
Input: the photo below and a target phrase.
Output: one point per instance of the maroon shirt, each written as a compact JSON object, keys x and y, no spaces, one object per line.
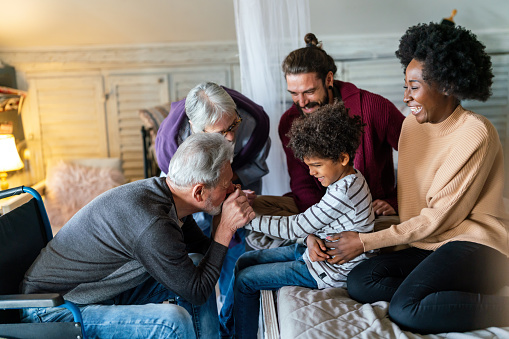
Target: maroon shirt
{"x":374,"y":155}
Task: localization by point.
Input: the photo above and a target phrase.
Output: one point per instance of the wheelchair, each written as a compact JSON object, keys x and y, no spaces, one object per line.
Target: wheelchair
{"x":24,"y":232}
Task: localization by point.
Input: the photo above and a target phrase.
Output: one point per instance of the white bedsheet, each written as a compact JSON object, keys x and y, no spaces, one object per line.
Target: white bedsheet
{"x":330,"y":313}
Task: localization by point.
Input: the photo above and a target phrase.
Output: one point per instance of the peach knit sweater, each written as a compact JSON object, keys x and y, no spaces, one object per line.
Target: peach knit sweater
{"x":450,"y":184}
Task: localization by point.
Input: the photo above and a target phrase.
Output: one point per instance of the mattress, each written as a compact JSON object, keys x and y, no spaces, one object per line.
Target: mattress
{"x":330,"y":313}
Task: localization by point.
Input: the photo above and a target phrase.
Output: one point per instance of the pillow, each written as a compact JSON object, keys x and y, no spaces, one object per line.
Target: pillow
{"x":70,"y":186}
{"x":99,"y":162}
{"x":153,"y":117}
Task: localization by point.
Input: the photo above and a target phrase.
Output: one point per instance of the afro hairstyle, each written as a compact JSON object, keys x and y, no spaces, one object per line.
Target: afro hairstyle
{"x":453,"y":59}
{"x":327,"y":133}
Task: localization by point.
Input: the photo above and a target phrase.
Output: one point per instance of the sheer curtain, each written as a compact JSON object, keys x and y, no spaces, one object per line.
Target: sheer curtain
{"x":267,"y":30}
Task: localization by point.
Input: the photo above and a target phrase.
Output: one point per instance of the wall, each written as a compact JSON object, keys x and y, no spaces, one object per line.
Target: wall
{"x":35,"y":23}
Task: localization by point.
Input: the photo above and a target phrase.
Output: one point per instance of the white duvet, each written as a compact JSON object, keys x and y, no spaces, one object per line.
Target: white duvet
{"x":330,"y":313}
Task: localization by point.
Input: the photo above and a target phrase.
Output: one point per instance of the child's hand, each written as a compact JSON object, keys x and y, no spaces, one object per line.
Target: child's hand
{"x":250,"y":195}
{"x":236,"y":211}
{"x":316,"y":248}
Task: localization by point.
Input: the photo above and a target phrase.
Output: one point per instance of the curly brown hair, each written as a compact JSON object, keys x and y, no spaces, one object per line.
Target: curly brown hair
{"x":326,"y":133}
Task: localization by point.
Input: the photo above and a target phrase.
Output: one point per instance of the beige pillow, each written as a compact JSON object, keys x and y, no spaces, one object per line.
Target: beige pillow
{"x":71,"y":186}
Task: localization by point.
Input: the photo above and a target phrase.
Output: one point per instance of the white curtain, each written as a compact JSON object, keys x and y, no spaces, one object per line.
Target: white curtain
{"x":267,"y":31}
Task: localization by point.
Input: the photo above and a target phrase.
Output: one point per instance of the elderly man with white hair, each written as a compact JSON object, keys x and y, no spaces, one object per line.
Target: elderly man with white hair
{"x":210,"y":108}
{"x":127,"y":251}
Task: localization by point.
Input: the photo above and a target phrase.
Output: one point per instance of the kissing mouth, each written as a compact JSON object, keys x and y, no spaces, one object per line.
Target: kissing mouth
{"x":416,"y":110}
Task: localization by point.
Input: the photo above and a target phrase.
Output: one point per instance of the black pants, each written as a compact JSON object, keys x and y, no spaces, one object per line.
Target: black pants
{"x":447,"y":290}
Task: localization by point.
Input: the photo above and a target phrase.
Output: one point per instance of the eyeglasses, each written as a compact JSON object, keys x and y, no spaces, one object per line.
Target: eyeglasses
{"x":233,"y":127}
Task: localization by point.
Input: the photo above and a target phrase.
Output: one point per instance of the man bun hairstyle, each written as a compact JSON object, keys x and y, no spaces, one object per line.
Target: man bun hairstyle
{"x":311,"y":40}
{"x":327,"y":133}
{"x":309,"y":59}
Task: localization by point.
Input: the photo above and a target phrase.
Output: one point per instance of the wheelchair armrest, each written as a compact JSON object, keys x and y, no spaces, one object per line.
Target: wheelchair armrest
{"x":13,"y":301}
{"x":18,"y":301}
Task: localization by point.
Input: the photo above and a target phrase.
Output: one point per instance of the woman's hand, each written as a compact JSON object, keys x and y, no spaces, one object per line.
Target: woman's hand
{"x":343,"y":247}
{"x":316,"y":248}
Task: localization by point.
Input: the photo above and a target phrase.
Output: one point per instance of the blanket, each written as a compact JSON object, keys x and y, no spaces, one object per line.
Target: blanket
{"x":330,"y":313}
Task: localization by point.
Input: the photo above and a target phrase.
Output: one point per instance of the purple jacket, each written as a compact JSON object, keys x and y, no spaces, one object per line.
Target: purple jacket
{"x":167,"y":135}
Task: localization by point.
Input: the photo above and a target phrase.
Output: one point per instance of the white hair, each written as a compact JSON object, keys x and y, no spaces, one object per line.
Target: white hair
{"x":208,"y":103}
{"x":199,"y":160}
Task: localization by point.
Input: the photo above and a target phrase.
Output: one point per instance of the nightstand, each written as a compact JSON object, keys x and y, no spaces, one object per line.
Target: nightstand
{"x":19,"y":179}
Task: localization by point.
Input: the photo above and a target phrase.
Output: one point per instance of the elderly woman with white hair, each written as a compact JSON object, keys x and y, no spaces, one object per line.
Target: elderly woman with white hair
{"x":210,"y":108}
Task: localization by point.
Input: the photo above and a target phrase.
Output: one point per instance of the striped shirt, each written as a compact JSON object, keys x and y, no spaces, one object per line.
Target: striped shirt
{"x":346,"y":206}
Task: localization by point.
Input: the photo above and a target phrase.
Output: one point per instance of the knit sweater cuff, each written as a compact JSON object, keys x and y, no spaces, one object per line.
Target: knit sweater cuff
{"x":376,"y":240}
{"x":217,"y":253}
{"x":363,"y":245}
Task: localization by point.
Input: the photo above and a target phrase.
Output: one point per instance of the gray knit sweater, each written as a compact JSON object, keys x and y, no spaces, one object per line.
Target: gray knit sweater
{"x":120,"y":239}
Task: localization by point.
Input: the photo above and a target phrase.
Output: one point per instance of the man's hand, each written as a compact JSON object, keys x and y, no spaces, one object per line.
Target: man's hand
{"x":382,"y":207}
{"x":343,"y":247}
{"x":235,"y":214}
{"x":250,"y":195}
{"x":316,"y":248}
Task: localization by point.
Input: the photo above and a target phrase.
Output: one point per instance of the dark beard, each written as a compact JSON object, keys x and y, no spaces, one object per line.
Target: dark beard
{"x":314,"y":103}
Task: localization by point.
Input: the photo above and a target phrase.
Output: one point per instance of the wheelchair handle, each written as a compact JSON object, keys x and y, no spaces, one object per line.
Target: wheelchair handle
{"x":12,"y":191}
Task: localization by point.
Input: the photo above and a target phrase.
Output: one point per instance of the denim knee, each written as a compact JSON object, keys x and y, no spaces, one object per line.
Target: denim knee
{"x":243,"y":282}
{"x":243,"y":261}
{"x":178,"y":322}
{"x":239,"y":281}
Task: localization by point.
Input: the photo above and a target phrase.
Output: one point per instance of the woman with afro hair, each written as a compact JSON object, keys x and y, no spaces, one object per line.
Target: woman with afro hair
{"x":450,"y":184}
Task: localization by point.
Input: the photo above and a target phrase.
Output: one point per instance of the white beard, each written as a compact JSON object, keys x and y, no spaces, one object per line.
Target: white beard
{"x":211,"y":209}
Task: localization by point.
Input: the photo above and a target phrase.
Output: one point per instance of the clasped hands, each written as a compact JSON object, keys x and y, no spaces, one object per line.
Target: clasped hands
{"x":335,"y":249}
{"x":237,"y":210}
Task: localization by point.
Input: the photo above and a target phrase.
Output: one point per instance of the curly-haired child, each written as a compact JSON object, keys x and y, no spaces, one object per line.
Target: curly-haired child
{"x":326,"y":141}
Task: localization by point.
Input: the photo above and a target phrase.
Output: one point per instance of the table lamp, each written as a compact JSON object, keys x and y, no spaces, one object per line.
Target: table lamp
{"x":9,"y":158}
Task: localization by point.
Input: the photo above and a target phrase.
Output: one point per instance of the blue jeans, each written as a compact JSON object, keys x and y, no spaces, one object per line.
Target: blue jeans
{"x":268,"y":269}
{"x":447,"y":290}
{"x":204,"y":221}
{"x":139,"y":313}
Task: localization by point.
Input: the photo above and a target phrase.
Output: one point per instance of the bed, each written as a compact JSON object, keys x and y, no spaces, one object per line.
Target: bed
{"x":297,"y":312}
{"x":330,"y":313}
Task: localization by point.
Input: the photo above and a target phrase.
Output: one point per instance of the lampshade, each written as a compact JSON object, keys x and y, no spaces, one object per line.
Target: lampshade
{"x":9,"y":157}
